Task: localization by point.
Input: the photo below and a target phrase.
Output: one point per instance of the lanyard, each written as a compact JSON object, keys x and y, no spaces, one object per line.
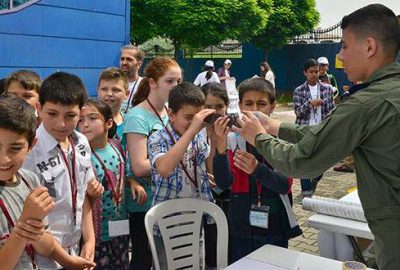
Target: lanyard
{"x":115,"y":187}
{"x":29,"y":248}
{"x":130,"y":96}
{"x":258,"y":186}
{"x":72,"y":176}
{"x":194,"y":181}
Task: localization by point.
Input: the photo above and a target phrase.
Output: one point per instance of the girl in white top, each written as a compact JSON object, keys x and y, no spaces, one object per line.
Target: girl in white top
{"x":267,"y":73}
{"x":208,"y":75}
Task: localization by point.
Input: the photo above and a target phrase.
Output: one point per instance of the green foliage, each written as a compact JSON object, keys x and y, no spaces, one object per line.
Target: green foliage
{"x":287,"y":19}
{"x":197,"y":24}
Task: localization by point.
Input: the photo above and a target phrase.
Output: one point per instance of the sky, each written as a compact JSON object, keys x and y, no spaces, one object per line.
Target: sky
{"x":332,"y":11}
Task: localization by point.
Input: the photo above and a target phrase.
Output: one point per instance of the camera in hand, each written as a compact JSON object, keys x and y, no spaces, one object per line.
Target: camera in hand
{"x":233,"y":117}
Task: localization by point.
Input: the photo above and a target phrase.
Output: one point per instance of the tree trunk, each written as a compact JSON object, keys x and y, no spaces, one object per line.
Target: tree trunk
{"x":266,"y":55}
{"x":176,"y":49}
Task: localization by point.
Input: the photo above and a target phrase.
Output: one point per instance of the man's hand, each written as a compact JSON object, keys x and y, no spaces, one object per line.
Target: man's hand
{"x":30,"y":231}
{"x":250,"y":126}
{"x":94,"y":190}
{"x":198,"y":120}
{"x":221,"y":130}
{"x":138,"y":192}
{"x":245,"y":161}
{"x":316,"y":102}
{"x":37,"y":205}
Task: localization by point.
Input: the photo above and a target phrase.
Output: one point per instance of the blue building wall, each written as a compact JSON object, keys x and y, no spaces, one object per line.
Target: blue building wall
{"x":77,"y":36}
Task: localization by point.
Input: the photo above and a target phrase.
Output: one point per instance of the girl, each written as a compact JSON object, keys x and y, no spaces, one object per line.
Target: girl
{"x":108,"y":162}
{"x":267,"y":73}
{"x":208,"y":75}
{"x":162,"y":74}
{"x":217,"y":99}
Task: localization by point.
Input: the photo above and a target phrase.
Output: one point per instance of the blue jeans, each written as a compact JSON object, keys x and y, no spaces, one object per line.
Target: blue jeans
{"x":307,"y":185}
{"x":239,"y":247}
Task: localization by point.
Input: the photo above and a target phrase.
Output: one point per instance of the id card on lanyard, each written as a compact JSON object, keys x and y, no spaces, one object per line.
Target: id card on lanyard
{"x":29,"y":248}
{"x":259,"y":214}
{"x":74,"y":236}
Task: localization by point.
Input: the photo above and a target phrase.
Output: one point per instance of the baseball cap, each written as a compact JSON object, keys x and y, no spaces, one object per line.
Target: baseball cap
{"x":228,"y":62}
{"x":323,"y":60}
{"x":209,"y":63}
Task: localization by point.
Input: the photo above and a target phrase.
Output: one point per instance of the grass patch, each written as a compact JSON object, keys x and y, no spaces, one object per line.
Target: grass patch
{"x":284,"y":98}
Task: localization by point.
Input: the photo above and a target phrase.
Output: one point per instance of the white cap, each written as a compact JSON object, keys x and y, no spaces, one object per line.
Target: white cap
{"x":323,"y":60}
{"x":209,"y":63}
{"x":228,"y":62}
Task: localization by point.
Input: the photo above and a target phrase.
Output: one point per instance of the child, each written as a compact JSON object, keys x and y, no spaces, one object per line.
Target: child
{"x":24,"y":84}
{"x":313,"y":101}
{"x":178,"y":152}
{"x":23,"y":203}
{"x":95,"y":122}
{"x":61,"y":157}
{"x":217,"y":99}
{"x":147,"y":115}
{"x":113,"y":90}
{"x":260,"y":203}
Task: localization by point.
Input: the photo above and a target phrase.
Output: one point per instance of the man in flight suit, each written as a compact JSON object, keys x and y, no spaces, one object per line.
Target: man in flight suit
{"x":366,"y":124}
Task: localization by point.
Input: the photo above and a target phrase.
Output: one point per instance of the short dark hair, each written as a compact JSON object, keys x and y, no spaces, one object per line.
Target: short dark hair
{"x":114,"y":74}
{"x":63,"y":88}
{"x":185,"y":93}
{"x":376,"y":21}
{"x":216,"y":89}
{"x":2,"y":85}
{"x":257,"y":84}
{"x":17,"y":116}
{"x":310,"y":63}
{"x":29,"y":80}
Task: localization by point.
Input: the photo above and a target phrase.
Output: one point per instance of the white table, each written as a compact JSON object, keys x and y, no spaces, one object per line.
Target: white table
{"x":276,"y":258}
{"x":335,"y":229}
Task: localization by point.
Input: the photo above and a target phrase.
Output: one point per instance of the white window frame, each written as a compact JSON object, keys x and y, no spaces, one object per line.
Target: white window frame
{"x":18,"y":8}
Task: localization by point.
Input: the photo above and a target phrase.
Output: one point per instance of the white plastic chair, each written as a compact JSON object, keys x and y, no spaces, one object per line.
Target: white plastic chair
{"x":179,"y":221}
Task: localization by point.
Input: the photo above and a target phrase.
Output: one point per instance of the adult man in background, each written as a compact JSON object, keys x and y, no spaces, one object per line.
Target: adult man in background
{"x":130,"y":62}
{"x":366,"y":124}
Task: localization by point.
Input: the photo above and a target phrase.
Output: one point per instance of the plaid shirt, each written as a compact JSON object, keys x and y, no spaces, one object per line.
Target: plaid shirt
{"x":172,"y":187}
{"x":302,"y":106}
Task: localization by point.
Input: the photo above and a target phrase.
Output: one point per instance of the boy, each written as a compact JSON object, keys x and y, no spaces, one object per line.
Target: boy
{"x":24,"y":84}
{"x":260,"y":202}
{"x":113,"y":90}
{"x":313,"y":101}
{"x":23,"y":203}
{"x":178,"y":152}
{"x":61,"y":157}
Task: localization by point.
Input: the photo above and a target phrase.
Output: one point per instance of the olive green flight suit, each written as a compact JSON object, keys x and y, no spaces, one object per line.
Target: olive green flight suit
{"x":367,"y":125}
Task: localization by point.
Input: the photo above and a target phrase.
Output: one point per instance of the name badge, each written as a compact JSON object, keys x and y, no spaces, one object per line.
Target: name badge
{"x":72,"y":238}
{"x":259,"y":216}
{"x":119,"y":227}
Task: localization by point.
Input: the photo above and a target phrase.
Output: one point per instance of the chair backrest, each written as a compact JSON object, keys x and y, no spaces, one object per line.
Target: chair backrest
{"x":179,"y":221}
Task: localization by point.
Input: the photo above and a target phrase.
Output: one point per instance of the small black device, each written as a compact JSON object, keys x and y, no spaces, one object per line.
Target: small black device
{"x":233,"y":117}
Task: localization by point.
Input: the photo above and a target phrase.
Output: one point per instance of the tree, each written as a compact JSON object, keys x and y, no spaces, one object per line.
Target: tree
{"x":197,"y":24}
{"x":288,"y":18}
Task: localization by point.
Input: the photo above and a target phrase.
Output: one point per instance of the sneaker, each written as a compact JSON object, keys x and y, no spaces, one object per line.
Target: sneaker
{"x":307,"y":194}
{"x":343,"y":168}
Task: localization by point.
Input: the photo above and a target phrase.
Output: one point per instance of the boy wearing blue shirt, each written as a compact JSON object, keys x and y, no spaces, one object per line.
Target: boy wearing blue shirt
{"x":178,"y":152}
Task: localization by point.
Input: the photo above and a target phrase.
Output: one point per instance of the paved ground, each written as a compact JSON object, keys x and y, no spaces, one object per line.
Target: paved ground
{"x":333,"y":185}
